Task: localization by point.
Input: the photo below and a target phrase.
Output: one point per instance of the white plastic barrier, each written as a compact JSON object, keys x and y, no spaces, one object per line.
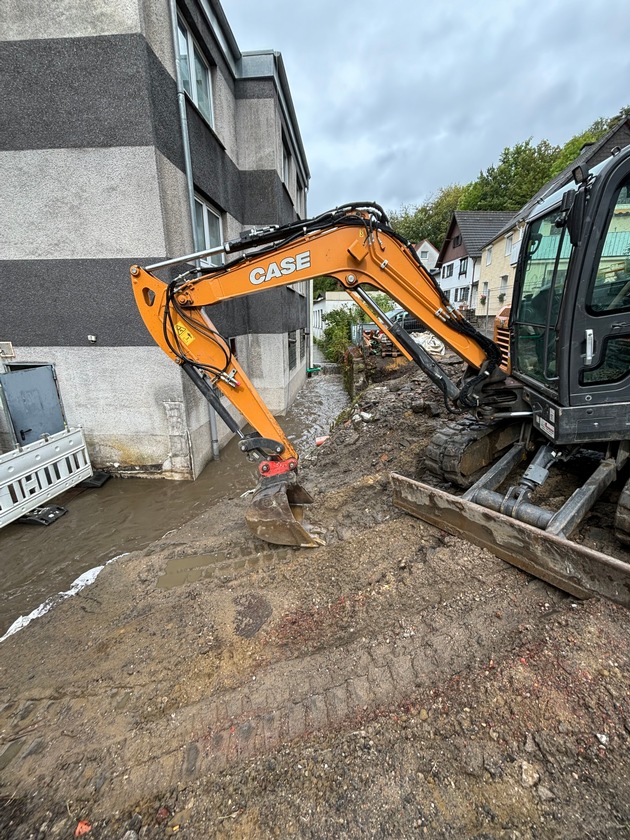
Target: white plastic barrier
{"x":33,"y":474}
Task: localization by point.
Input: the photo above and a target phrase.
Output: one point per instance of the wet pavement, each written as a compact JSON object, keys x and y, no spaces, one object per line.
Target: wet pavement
{"x":128,"y":514}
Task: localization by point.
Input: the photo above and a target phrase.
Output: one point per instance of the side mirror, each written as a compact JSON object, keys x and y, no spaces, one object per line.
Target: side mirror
{"x":575,"y":217}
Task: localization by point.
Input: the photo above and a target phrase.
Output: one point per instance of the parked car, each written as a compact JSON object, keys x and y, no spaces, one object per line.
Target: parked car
{"x":409,"y":323}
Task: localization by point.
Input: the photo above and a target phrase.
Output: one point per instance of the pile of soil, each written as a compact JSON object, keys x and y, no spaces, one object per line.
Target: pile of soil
{"x":395,"y":682}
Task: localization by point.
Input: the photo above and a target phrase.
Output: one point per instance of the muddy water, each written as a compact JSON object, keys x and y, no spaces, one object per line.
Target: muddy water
{"x":128,"y":514}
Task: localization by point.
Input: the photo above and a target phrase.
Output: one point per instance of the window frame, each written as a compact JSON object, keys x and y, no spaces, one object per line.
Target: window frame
{"x":194,"y":50}
{"x":489,"y":255}
{"x":509,"y":244}
{"x":286,"y":163}
{"x":213,"y":260}
{"x":292,"y":347}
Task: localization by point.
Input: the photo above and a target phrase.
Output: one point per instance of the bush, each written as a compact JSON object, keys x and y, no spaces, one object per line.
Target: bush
{"x":337,"y":333}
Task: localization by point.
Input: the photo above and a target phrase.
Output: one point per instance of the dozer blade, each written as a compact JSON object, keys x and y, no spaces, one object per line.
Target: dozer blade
{"x":275,"y":512}
{"x":576,"y":569}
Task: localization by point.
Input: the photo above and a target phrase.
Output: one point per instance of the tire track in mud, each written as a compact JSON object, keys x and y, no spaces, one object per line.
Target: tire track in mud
{"x":376,"y":634}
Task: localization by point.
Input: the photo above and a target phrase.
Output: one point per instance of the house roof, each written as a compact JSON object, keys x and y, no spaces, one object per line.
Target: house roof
{"x":476,"y":228}
{"x":592,"y":154}
{"x":423,"y":243}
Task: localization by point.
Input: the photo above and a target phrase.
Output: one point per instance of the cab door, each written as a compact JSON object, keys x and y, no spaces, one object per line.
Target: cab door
{"x":599,"y":368}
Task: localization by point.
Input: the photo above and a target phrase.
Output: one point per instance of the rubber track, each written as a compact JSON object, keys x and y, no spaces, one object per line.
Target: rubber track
{"x":622,"y":516}
{"x":447,"y":447}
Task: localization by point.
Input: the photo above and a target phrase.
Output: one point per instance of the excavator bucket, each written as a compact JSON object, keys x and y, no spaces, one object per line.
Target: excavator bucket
{"x":576,"y":569}
{"x":276,"y":511}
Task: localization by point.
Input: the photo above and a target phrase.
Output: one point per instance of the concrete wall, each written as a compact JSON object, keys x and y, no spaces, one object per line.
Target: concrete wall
{"x":92,"y":167}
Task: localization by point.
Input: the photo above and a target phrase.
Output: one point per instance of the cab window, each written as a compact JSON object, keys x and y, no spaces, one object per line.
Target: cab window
{"x":610,"y":290}
{"x":547,"y":254}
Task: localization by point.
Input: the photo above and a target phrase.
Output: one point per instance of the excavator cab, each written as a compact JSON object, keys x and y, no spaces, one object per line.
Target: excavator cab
{"x":570,"y":328}
{"x":570,"y":361}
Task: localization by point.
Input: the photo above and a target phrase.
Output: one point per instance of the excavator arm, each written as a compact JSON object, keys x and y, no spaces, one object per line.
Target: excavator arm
{"x":353,"y":244}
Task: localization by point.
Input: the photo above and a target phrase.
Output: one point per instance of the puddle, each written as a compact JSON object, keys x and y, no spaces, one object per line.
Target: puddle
{"x":195,"y":567}
{"x":129,"y":514}
{"x":188,"y":569}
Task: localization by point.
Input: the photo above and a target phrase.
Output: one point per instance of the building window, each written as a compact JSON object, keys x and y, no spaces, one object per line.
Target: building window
{"x":300,"y":204}
{"x":503,"y":285}
{"x":457,"y":241}
{"x":463,"y":266}
{"x":292,"y":342}
{"x":195,"y":72}
{"x":508,"y":245}
{"x":447,"y":270}
{"x":286,"y":163}
{"x":302,"y":344}
{"x":208,"y":233}
{"x":424,"y":255}
{"x":489,"y":255}
{"x":461,"y":294}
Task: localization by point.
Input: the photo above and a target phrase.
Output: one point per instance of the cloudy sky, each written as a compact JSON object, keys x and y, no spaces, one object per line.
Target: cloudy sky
{"x":396,"y":99}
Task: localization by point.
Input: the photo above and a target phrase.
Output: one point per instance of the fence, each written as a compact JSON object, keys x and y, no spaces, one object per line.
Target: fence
{"x":33,"y":474}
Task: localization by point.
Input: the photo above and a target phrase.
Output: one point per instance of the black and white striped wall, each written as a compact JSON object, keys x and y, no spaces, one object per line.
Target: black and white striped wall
{"x":92,"y":179}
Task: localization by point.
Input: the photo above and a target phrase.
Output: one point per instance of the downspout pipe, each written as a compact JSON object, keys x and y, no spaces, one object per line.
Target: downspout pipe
{"x":190,"y":185}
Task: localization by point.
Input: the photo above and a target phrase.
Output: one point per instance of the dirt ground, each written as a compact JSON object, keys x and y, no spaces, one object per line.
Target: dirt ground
{"x":395,"y":683}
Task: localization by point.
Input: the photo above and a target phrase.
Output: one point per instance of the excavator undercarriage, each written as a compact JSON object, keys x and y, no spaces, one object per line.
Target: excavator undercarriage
{"x":511,"y":523}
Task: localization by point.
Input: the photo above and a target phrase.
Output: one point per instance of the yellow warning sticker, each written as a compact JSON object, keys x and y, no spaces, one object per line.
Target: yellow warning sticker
{"x":183,"y":333}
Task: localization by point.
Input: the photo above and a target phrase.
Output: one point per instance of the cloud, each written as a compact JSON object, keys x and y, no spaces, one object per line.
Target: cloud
{"x":395,"y":100}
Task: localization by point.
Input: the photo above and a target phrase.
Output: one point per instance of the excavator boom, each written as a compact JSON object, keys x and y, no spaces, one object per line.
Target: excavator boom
{"x":353,"y":244}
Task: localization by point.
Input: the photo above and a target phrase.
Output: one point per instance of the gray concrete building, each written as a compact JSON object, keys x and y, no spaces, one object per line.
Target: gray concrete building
{"x":133,"y":131}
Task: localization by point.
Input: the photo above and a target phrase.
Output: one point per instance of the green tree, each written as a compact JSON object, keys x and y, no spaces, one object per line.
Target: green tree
{"x":593,"y":133}
{"x":324,"y":284}
{"x":429,"y":220}
{"x":521,"y":172}
{"x":383,"y":301}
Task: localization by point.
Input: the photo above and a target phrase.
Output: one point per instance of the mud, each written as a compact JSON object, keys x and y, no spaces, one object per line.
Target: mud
{"x":396,"y":682}
{"x":127,"y":514}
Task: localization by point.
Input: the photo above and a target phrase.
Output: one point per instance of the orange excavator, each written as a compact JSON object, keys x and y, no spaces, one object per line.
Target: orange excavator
{"x":567,"y":393}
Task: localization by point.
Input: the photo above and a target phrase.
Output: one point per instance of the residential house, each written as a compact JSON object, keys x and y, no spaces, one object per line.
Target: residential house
{"x":428,"y":254}
{"x":135,"y":132}
{"x":500,"y":252}
{"x":323,"y":305}
{"x":460,"y":255}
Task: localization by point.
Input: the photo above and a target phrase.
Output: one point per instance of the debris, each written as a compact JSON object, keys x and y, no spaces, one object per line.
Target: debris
{"x":83,"y":827}
{"x":529,"y":775}
{"x":429,"y":343}
{"x":545,"y":794}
